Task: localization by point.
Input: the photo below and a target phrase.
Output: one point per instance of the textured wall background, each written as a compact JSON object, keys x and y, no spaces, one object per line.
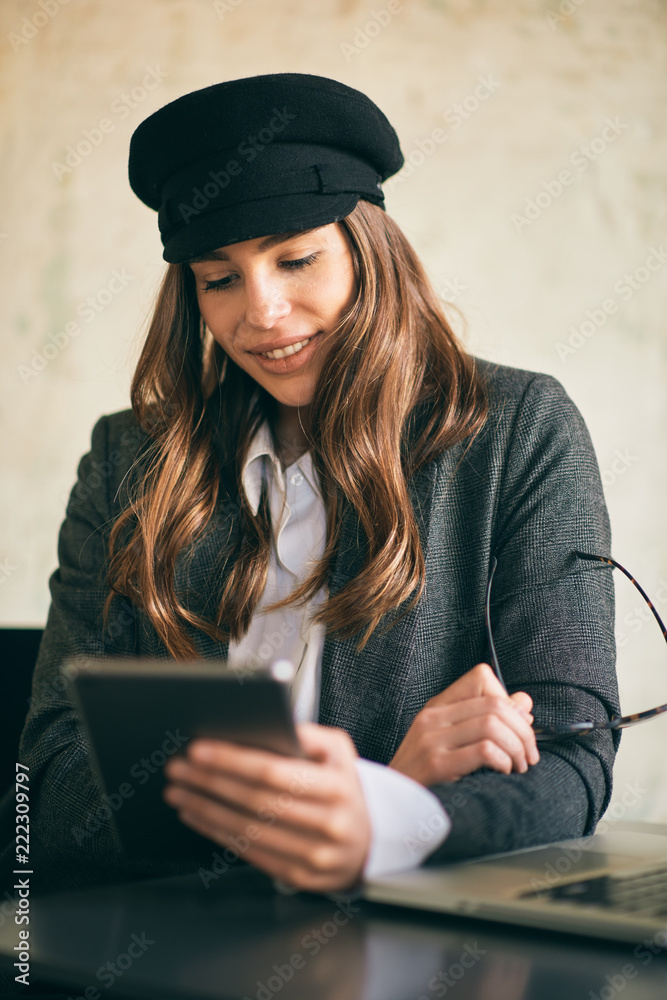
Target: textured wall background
{"x":535,"y":193}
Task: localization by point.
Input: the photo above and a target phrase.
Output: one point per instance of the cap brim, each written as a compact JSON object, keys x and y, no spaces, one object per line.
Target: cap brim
{"x":250,"y":220}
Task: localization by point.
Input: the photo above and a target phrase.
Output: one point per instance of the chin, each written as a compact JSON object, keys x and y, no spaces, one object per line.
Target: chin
{"x":294,"y":403}
{"x":292,"y":399}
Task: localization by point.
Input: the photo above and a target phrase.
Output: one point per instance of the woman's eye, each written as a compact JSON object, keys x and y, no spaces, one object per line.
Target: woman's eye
{"x":218,"y":285}
{"x":301,"y":262}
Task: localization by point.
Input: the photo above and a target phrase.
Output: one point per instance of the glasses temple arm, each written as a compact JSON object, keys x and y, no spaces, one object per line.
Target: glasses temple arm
{"x":612,"y":562}
{"x":494,"y":657}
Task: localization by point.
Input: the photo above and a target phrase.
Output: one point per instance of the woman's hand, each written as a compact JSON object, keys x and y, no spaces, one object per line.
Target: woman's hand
{"x":471,"y":724}
{"x":303,"y":821}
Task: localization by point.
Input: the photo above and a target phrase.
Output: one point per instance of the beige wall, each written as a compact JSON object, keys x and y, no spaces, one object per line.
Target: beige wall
{"x":539,"y":92}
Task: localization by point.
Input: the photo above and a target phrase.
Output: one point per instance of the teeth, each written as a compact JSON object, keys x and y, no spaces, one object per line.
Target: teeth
{"x":283,"y":352}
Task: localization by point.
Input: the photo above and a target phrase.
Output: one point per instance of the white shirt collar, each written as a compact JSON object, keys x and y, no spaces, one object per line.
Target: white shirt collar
{"x":260,"y":446}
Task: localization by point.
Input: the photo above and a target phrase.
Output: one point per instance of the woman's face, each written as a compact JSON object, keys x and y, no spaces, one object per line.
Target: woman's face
{"x":277,"y":292}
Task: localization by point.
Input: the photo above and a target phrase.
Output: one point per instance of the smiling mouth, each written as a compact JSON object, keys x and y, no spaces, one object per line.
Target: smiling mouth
{"x":284,"y":352}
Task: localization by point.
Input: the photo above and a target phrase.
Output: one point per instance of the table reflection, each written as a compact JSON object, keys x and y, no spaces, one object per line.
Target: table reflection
{"x":241,"y":939}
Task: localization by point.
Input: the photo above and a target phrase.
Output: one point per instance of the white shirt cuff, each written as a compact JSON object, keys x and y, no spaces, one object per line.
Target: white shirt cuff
{"x":407,"y":820}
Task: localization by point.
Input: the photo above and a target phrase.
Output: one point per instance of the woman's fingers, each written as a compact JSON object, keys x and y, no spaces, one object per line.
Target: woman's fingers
{"x":302,"y":820}
{"x":489,"y":716}
{"x":481,"y":682}
{"x":495,"y":742}
{"x":245,"y":767}
{"x":313,"y":862}
{"x":262,"y":827}
{"x":446,"y":753}
{"x":431,"y":761}
{"x":475,"y":683}
{"x":295,"y":806}
{"x":471,"y":724}
{"x":311,"y":865}
{"x":326,"y":743}
{"x":523,"y":703}
{"x":468,"y":759}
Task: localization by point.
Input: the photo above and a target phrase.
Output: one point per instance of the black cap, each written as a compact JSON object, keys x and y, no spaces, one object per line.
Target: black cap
{"x":257,"y":156}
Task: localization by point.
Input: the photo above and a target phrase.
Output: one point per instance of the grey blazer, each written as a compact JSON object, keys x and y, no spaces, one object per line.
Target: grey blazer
{"x":528,"y":491}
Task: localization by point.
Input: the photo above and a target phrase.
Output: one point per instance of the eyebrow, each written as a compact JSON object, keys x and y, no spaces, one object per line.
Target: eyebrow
{"x":267,"y":244}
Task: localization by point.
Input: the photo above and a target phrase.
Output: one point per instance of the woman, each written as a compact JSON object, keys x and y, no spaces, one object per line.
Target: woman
{"x":314,"y":468}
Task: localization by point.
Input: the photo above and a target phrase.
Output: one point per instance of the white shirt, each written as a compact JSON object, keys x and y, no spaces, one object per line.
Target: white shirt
{"x":407,"y":820}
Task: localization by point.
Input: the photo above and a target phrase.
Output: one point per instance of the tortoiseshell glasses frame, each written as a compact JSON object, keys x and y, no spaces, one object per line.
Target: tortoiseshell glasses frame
{"x":544,"y":733}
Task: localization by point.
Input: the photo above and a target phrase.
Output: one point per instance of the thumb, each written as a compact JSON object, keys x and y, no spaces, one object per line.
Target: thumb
{"x":475,"y":683}
{"x":522,"y":702}
{"x":325,"y":743}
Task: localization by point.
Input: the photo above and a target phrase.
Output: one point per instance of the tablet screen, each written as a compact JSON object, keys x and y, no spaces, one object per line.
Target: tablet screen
{"x":139,"y":713}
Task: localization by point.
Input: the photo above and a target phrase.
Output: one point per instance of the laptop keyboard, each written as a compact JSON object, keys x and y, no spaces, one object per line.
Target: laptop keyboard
{"x":643,"y":892}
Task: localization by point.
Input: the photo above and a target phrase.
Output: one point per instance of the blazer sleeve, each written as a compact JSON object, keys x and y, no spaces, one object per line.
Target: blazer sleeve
{"x":70,"y":826}
{"x":552,"y":617}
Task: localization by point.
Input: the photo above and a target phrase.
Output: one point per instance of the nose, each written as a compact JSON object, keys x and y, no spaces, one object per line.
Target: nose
{"x":265,"y":301}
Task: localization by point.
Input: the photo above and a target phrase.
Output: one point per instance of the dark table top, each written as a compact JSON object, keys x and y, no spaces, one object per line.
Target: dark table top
{"x":239,"y":939}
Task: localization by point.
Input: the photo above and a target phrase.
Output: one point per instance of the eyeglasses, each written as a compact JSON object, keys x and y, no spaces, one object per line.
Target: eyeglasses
{"x":544,"y":733}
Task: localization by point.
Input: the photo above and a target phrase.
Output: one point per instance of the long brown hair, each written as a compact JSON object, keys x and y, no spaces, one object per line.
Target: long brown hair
{"x":396,"y":389}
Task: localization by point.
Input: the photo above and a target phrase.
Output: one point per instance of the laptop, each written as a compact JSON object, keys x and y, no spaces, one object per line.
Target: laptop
{"x":611,"y":885}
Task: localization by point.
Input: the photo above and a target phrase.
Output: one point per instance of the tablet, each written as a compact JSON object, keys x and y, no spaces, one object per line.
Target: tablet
{"x":137,"y":714}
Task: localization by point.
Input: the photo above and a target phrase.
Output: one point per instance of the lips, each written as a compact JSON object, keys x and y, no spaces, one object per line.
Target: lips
{"x":291,"y":362}
{"x":280,"y":345}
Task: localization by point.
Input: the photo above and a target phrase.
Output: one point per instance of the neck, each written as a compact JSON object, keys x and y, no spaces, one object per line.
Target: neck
{"x":292,"y":423}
